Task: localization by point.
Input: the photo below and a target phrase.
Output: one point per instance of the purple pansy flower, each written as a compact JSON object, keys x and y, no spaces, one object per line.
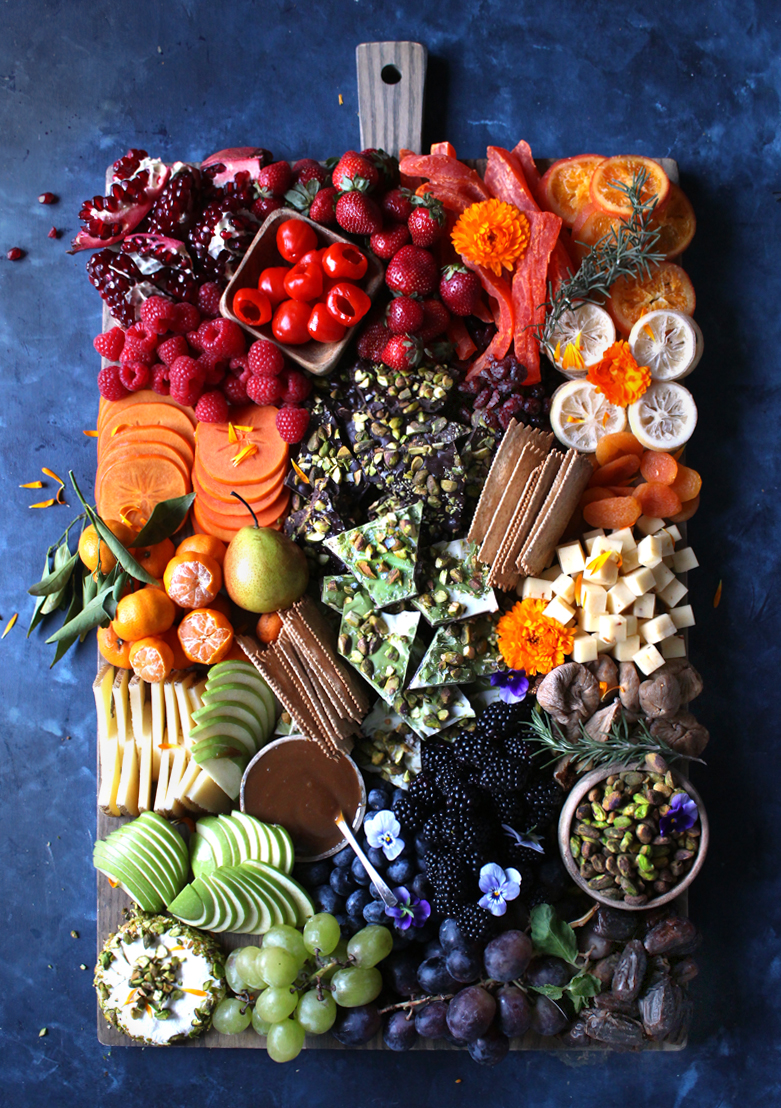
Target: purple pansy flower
{"x":411,"y":911}
{"x":513,"y":684}
{"x":382,"y":833}
{"x":499,"y":886}
{"x":683,"y":814}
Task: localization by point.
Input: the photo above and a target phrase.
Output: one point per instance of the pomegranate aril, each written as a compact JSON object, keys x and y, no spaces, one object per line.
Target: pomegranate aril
{"x":53,"y":233}
{"x":47,"y":198}
{"x":15,"y":254}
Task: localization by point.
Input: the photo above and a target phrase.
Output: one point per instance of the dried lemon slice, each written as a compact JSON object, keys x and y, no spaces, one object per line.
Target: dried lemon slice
{"x":590,"y":330}
{"x":664,"y":417}
{"x":580,"y":415}
{"x":668,"y":342}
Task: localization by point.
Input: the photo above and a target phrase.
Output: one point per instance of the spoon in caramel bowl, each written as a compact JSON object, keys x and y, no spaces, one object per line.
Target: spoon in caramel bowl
{"x":386,"y":895}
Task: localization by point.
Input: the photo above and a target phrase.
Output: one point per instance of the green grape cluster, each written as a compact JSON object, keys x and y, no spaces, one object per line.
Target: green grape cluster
{"x":291,"y":985}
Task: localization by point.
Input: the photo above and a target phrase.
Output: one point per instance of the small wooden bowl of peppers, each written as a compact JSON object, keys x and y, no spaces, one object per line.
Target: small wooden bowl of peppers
{"x":304,"y":288}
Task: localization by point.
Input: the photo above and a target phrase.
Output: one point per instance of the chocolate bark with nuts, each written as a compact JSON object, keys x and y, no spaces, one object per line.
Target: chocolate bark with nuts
{"x":460,"y":653}
{"x":382,"y":554}
{"x":453,"y":583}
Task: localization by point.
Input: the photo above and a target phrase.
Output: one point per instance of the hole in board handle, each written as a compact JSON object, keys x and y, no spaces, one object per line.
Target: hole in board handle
{"x":390,"y":75}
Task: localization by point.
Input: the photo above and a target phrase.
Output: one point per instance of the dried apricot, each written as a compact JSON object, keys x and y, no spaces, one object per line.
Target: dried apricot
{"x":687,"y":484}
{"x":615,"y":513}
{"x":617,"y":471}
{"x":590,"y":496}
{"x":687,"y":511}
{"x":622,"y":490}
{"x":657,"y":500}
{"x":616,"y":445}
{"x":657,"y":465}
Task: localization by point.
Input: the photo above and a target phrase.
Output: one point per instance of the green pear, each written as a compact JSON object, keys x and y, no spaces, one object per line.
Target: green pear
{"x":264,"y":570}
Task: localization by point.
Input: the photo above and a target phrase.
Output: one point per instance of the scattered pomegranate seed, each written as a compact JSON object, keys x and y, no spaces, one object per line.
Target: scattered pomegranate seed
{"x":54,"y":233}
{"x":47,"y":198}
{"x":14,"y":254}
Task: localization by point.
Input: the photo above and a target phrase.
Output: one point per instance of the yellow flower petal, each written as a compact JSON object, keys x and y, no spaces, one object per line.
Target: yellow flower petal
{"x":245,"y":452}
{"x":493,"y":234}
{"x":44,"y":504}
{"x":299,"y":471}
{"x":10,"y":624}
{"x":32,"y":485}
{"x":90,"y":434}
{"x":232,"y":436}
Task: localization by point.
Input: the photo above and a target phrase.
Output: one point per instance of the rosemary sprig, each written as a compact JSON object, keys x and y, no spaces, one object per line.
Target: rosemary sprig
{"x":625,"y":251}
{"x":625,"y":743}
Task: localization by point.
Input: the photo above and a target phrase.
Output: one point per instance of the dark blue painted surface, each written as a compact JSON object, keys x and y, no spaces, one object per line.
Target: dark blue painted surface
{"x":83,"y":81}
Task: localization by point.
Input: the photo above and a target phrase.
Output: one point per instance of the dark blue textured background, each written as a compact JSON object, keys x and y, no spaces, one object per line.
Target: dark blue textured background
{"x":79,"y":83}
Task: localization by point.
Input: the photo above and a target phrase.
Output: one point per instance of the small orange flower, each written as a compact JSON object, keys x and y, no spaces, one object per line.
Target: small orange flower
{"x":493,"y":234}
{"x":531,"y":641}
{"x":618,"y":376}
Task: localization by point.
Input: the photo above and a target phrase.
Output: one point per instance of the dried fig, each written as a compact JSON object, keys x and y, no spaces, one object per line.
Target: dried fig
{"x":629,"y":687}
{"x":683,"y":733}
{"x":660,"y":697}
{"x":569,"y":693}
{"x":606,"y":672}
{"x":689,"y":680}
{"x":598,"y":727}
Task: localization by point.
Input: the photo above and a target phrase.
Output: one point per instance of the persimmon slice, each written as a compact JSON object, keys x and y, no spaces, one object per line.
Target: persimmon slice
{"x":139,"y":433}
{"x":143,"y":396}
{"x":149,"y":417}
{"x":616,"y":471}
{"x":217,"y":453}
{"x":266,"y":515}
{"x":234,"y":509}
{"x":658,"y":501}
{"x":687,"y":484}
{"x":131,"y":487}
{"x":614,"y":446}
{"x":566,"y":185}
{"x":221,"y":490}
{"x":139,"y":450}
{"x":614,"y":513}
{"x":668,"y":286}
{"x":226,"y":532}
{"x":608,"y":177}
{"x":659,"y":466}
{"x":676,"y":224}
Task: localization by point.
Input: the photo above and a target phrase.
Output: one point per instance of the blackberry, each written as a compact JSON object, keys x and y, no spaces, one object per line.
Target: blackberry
{"x":435,"y":756}
{"x":424,"y":790}
{"x":498,"y":719}
{"x":445,"y":902}
{"x":509,"y":808}
{"x":475,"y":923}
{"x":446,"y":779}
{"x":452,"y":883}
{"x":543,"y":800}
{"x":474,"y":749}
{"x":408,"y":812}
{"x":519,"y":750}
{"x":435,"y":830}
{"x":465,"y":802}
{"x":521,"y":856}
{"x":473,"y":858}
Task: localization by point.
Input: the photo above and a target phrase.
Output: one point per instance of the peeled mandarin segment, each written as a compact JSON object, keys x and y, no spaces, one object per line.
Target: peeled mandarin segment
{"x":620,"y":469}
{"x":614,"y":514}
{"x":657,"y":501}
{"x":687,"y":511}
{"x":139,"y":433}
{"x":676,"y":224}
{"x":192,"y":580}
{"x":566,"y":185}
{"x":667,"y":286}
{"x":594,"y":494}
{"x":659,"y":466}
{"x":152,"y":659}
{"x":613,"y":172}
{"x":153,"y":409}
{"x":687,"y":483}
{"x":216,"y":452}
{"x":615,"y":446}
{"x":134,"y":486}
{"x":206,"y":636}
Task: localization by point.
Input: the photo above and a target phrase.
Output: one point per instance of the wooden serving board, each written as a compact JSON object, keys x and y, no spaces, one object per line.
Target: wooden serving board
{"x":391,"y":78}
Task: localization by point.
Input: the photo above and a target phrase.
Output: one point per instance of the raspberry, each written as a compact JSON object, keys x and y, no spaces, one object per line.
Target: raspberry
{"x":239,"y":365}
{"x":134,"y":376}
{"x":194,"y":340}
{"x":109,"y":344}
{"x":212,"y":408}
{"x":295,"y":386}
{"x":110,"y":385}
{"x":157,"y":314}
{"x":171,"y":349}
{"x":292,"y":424}
{"x":136,"y":350}
{"x":187,"y":379}
{"x":185,"y":317}
{"x":264,"y":390}
{"x":265,"y":359}
{"x":161,"y":381}
{"x":214,"y":367}
{"x":234,"y":390}
{"x":222,"y":337}
{"x":372,"y":342}
{"x":209,"y":298}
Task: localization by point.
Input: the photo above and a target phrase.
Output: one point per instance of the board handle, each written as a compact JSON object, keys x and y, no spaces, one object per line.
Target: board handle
{"x":391,"y":79}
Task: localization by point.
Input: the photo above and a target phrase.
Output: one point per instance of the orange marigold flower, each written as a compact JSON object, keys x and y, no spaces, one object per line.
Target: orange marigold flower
{"x":618,"y":376}
{"x":492,"y":234}
{"x":531,"y":641}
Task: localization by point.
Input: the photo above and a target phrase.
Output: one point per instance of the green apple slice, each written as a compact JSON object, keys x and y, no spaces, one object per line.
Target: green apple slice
{"x":286,"y":851}
{"x":226,"y":772}
{"x":244,"y":910}
{"x":277,"y":893}
{"x":127,"y":874}
{"x":264,"y":912}
{"x":170,"y":843}
{"x":299,"y":895}
{"x":224,"y":728}
{"x":228,"y":911}
{"x":188,"y":907}
{"x":201,"y":857}
{"x":236,"y":836}
{"x":279,"y":911}
{"x":230,"y":709}
{"x":245,"y":672}
{"x":153,"y":864}
{"x":254,"y":830}
{"x":237,"y":692}
{"x":212,"y":907}
{"x":213,"y":831}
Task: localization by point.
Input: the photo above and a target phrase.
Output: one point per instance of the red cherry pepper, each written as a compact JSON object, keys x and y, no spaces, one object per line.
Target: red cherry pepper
{"x":252,"y":307}
{"x":304,"y":282}
{"x":347,"y":303}
{"x":323,"y":326}
{"x":311,"y":256}
{"x":342,"y":259}
{"x":290,"y":322}
{"x":294,"y":238}
{"x":272,"y":282}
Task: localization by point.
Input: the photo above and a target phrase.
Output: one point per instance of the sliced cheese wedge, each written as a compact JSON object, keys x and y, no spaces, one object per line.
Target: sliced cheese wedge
{"x":178,"y":758}
{"x":172,"y":708}
{"x":122,"y":706}
{"x":144,"y":745}
{"x":110,"y":774}
{"x":138,"y":700}
{"x":207,"y":794}
{"x":185,"y":704}
{"x":188,"y":779}
{"x":157,"y":700}
{"x":127,"y":793}
{"x":161,"y":792}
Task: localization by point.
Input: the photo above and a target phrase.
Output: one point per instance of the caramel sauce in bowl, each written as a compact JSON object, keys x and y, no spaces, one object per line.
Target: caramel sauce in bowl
{"x":293,"y":783}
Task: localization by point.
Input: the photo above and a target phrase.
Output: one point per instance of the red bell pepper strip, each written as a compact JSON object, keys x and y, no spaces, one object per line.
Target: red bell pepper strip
{"x":529,"y":290}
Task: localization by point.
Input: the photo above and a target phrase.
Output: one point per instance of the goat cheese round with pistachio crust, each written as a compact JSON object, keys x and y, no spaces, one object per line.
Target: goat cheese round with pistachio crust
{"x":159,"y":981}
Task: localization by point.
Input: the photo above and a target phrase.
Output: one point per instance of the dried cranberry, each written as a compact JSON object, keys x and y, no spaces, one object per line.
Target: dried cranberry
{"x":482,"y":398}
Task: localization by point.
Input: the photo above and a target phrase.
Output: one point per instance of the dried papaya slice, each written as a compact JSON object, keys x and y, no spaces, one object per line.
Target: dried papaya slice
{"x":687,"y":511}
{"x":614,"y":513}
{"x":658,"y":501}
{"x":617,"y":471}
{"x":687,"y":483}
{"x":615,"y":445}
{"x":659,"y":466}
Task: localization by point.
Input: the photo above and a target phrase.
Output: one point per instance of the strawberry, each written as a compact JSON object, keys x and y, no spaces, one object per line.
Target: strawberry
{"x":265,"y":204}
{"x":358,"y":214}
{"x":411,"y":270}
{"x":323,"y":206}
{"x":352,"y":169}
{"x":277,"y":178}
{"x":372,"y":342}
{"x":390,"y":240}
{"x":401,"y":352}
{"x":460,"y":289}
{"x":307,"y":169}
{"x":405,"y":316}
{"x":396,"y":205}
{"x":385,"y":164}
{"x":435,"y":320}
{"x":292,"y":423}
{"x":427,"y":221}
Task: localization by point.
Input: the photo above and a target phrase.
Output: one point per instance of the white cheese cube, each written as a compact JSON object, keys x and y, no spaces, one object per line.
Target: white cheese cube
{"x":684,"y":560}
{"x":640,"y":581}
{"x":648,"y":525}
{"x":672,"y":531}
{"x":619,"y":597}
{"x":673,"y":593}
{"x":674,"y":647}
{"x":649,"y":551}
{"x":551,"y":573}
{"x":669,"y":561}
{"x":683,"y":616}
{"x":558,"y":609}
{"x":629,"y":561}
{"x":537,"y":589}
{"x":654,"y":630}
{"x":626,"y":650}
{"x":662,"y":576}
{"x":588,"y":621}
{"x":645,"y":606}
{"x":631,"y":626}
{"x":605,"y":574}
{"x":606,"y":544}
{"x":603,"y":646}
{"x":564,"y":587}
{"x":666,"y":539}
{"x":584,"y":649}
{"x":612,"y":628}
{"x":626,"y":538}
{"x":591,"y":537}
{"x":571,"y":558}
{"x":593,"y":598}
{"x":648,"y":659}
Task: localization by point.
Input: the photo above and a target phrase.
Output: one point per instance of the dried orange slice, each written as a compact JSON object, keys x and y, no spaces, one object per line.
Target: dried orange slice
{"x":206,"y":636}
{"x":192,"y":580}
{"x":566,"y":185}
{"x":668,"y":286}
{"x":613,"y":173}
{"x":676,"y":224}
{"x":152,"y":659}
